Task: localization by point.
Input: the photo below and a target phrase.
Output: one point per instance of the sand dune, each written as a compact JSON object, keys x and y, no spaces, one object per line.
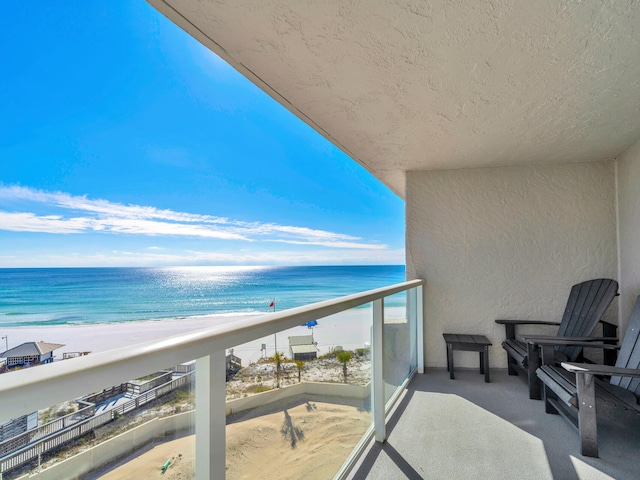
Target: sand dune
{"x":297,"y":439}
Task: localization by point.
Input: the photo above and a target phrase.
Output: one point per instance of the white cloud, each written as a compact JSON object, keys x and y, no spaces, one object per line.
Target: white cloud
{"x":79,"y":214}
{"x":294,"y":232}
{"x":82,"y":203}
{"x":157,"y":228}
{"x":29,"y":222}
{"x":141,"y":258}
{"x":365,"y":246}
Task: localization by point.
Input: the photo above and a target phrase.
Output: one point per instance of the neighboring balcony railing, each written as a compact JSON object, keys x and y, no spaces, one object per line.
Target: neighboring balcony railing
{"x":396,"y":354}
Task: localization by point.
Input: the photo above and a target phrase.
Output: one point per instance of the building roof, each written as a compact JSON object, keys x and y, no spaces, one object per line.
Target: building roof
{"x":403,"y":86}
{"x":295,"y":349}
{"x":301,"y":340}
{"x":302,"y":344}
{"x":31,"y":348}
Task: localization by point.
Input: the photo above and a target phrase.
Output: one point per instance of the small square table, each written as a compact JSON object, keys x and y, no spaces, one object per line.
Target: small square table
{"x":469,"y":343}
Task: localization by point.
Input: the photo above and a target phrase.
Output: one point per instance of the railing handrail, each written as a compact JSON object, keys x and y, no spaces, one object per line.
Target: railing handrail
{"x":22,"y":390}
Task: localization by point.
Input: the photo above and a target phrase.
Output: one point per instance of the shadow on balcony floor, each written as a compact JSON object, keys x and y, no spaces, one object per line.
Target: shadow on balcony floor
{"x":465,"y":428}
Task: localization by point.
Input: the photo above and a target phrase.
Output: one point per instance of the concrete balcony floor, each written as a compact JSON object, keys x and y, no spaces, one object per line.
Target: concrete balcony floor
{"x":465,"y":428}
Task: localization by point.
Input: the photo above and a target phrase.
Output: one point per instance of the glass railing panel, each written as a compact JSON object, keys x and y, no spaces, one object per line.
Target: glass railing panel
{"x":311,"y":417}
{"x":412,"y":317}
{"x":319,"y":404}
{"x":399,"y":352}
{"x":141,"y":424}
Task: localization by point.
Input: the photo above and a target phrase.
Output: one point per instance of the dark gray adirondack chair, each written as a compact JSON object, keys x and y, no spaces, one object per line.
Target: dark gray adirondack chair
{"x":571,"y":390}
{"x":585,"y":307}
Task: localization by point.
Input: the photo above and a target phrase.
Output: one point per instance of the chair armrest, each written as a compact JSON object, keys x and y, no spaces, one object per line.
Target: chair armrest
{"x":583,"y":368}
{"x":526,"y":322}
{"x":510,"y":326}
{"x":571,"y":342}
{"x":555,"y":340}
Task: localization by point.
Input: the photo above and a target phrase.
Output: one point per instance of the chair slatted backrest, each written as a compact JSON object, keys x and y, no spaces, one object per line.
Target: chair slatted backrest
{"x":586,"y":305}
{"x":629,"y":356}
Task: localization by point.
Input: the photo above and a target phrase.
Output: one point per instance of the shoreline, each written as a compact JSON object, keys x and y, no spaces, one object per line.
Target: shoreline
{"x":349,"y":329}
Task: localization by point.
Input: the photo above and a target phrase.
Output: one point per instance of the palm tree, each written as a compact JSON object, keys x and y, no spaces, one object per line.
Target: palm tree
{"x":300,"y":365}
{"x":343,"y":358}
{"x":278,"y":358}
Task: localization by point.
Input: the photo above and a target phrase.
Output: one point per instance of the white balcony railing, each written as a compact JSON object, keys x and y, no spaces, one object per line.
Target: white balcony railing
{"x":33,"y":389}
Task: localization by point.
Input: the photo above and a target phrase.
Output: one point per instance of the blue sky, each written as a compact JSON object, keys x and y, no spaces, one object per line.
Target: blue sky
{"x":124,"y":142}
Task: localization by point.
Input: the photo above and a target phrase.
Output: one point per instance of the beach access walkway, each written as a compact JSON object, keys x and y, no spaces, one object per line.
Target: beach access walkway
{"x":113,"y":403}
{"x":97,"y":409}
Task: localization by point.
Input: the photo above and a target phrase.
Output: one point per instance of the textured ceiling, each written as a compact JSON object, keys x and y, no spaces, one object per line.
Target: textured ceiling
{"x":416,"y":85}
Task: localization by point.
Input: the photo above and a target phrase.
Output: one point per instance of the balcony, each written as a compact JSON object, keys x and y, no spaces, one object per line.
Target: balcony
{"x":413,"y":426}
{"x":465,"y":428}
{"x":517,"y":150}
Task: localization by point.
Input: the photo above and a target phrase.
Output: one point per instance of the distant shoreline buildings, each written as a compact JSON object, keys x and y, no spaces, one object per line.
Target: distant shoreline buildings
{"x":30,"y":353}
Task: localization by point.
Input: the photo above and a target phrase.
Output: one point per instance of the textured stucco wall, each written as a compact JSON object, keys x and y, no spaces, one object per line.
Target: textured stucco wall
{"x":506,"y":243}
{"x":628,"y":165}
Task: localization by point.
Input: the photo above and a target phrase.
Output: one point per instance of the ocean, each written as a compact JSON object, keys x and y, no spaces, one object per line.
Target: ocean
{"x":73,"y":296}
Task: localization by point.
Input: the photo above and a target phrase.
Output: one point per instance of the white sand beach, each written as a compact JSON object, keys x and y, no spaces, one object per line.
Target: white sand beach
{"x":107,"y":336}
{"x":348,"y":329}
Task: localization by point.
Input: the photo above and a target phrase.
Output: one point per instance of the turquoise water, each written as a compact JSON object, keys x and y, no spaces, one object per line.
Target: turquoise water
{"x":67,"y":296}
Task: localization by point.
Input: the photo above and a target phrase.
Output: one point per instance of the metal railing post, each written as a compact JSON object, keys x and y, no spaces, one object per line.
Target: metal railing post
{"x":377,"y":374}
{"x":210,"y":417}
{"x":420,"y":327}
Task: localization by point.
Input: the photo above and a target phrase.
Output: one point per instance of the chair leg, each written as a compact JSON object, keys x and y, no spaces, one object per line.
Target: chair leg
{"x":547,"y":393}
{"x":511,"y":365}
{"x":587,"y":419}
{"x":510,"y":334}
{"x":533,"y":359}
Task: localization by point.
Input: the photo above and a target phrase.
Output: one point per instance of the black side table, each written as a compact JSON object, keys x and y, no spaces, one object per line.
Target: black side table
{"x":469,"y":343}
